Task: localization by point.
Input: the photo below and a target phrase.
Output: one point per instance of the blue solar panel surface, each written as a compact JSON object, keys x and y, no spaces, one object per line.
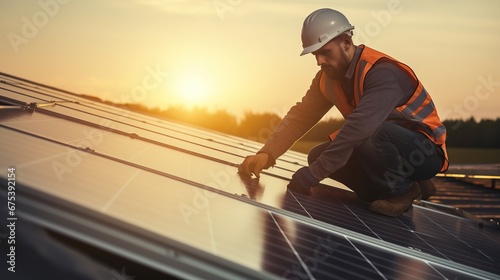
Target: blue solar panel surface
{"x":181,"y":183}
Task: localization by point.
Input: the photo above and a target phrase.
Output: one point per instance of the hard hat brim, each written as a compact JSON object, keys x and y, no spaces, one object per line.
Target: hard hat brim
{"x":313,"y":48}
{"x":319,"y":45}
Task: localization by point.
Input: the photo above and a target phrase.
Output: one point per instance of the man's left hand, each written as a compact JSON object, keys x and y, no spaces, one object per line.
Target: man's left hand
{"x":302,"y":181}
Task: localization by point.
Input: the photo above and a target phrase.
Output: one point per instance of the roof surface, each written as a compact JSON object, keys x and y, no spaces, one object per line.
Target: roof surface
{"x":168,"y":196}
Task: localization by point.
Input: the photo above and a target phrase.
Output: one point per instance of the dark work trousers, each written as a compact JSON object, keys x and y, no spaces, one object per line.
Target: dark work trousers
{"x":387,"y":162}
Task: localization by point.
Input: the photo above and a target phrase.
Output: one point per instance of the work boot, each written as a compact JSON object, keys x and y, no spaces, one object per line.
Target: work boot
{"x":397,"y":204}
{"x":427,"y":188}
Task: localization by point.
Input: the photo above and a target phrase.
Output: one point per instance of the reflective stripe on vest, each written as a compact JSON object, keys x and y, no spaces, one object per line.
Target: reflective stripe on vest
{"x":418,"y":113}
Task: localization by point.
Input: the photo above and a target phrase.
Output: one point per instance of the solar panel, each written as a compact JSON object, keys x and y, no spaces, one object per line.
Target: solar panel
{"x":168,"y":196}
{"x":477,"y":171}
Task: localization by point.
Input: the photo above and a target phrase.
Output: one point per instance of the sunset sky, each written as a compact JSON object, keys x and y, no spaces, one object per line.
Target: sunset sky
{"x":243,"y":55}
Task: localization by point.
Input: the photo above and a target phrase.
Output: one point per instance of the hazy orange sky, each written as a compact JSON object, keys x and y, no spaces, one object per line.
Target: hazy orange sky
{"x":243,"y":55}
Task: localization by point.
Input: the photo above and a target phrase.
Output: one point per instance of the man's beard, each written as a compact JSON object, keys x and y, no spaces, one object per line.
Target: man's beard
{"x":336,"y":73}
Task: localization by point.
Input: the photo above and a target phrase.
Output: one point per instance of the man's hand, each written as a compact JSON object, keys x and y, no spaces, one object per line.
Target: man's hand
{"x":253,"y":164}
{"x":302,"y":181}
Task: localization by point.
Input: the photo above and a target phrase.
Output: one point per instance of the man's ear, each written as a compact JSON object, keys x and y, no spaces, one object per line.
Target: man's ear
{"x":346,"y":42}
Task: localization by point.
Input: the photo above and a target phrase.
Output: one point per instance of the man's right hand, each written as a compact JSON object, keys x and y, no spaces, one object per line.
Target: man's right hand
{"x":253,"y":164}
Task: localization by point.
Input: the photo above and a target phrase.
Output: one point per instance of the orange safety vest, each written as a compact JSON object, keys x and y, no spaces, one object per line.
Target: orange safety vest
{"x":417,"y":114}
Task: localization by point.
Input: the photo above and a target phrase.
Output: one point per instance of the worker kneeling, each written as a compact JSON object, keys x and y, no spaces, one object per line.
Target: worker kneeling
{"x":392,"y":141}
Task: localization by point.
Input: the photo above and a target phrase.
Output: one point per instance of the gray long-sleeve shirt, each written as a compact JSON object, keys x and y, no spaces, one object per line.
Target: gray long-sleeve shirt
{"x":386,"y":87}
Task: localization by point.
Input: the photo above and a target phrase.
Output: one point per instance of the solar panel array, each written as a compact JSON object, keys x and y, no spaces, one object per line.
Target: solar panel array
{"x":169,"y":196}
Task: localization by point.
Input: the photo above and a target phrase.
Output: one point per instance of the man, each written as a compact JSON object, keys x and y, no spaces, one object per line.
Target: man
{"x":392,"y":141}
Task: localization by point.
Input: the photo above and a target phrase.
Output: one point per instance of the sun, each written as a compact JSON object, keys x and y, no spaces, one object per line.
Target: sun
{"x":193,"y":88}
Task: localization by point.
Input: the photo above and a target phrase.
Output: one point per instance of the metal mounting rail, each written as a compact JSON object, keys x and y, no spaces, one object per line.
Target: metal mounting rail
{"x":34,"y":105}
{"x":493,"y":178}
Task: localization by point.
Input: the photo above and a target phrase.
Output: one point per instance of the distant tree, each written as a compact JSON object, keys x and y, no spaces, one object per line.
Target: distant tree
{"x":258,"y":127}
{"x":221,"y":121}
{"x":472,"y":134}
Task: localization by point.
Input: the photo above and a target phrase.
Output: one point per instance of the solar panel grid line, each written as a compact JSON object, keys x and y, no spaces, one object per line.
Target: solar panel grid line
{"x":406,"y":252}
{"x":472,"y":255}
{"x":326,"y":255}
{"x":23,"y":94}
{"x":397,"y":239}
{"x":123,"y":162}
{"x":348,"y":262}
{"x":300,"y":204}
{"x":123,"y":114}
{"x":395,"y":268}
{"x":295,"y":208}
{"x":235,"y":142}
{"x":482,"y":235}
{"x":304,"y":266}
{"x":155,"y":142}
{"x":457,"y":238}
{"x":160,"y":256}
{"x":307,"y":210}
{"x":126,"y":114}
{"x":366,"y":259}
{"x":355,"y":215}
{"x":44,"y":159}
{"x":453,"y":251}
{"x":333,"y":213}
{"x":476,"y":237}
{"x":392,"y":231}
{"x":451,"y":209}
{"x":114,"y":159}
{"x":293,"y":269}
{"x":211,"y":231}
{"x":437,"y":271}
{"x":139,"y":153}
{"x":424,"y":241}
{"x":460,"y":268}
{"x":364,"y":224}
{"x":112,"y":199}
{"x":98,"y":126}
{"x":127,"y":134}
{"x":10,"y":79}
{"x":39,"y":90}
{"x":353,"y":224}
{"x":354,"y":270}
{"x":388,"y":239}
{"x":276,"y":253}
{"x":273,"y":244}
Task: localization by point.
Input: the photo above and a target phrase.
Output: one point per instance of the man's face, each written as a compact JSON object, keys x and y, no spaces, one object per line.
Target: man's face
{"x":333,"y":59}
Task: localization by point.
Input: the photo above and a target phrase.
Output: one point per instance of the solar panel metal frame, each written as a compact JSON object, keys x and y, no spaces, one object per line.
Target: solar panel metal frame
{"x":38,"y":202}
{"x":155,"y":251}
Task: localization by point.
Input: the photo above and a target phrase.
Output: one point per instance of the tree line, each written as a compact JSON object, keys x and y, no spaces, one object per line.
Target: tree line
{"x":258,"y":126}
{"x":473,"y":134}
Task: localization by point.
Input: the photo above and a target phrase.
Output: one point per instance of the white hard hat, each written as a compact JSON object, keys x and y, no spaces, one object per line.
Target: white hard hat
{"x":321,"y":26}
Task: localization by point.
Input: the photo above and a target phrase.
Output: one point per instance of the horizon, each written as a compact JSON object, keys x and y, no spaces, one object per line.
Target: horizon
{"x":196,"y":109}
{"x":243,"y":56}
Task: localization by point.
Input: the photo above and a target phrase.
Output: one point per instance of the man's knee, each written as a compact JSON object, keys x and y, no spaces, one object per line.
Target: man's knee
{"x":384,"y":131}
{"x":316,"y":152}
